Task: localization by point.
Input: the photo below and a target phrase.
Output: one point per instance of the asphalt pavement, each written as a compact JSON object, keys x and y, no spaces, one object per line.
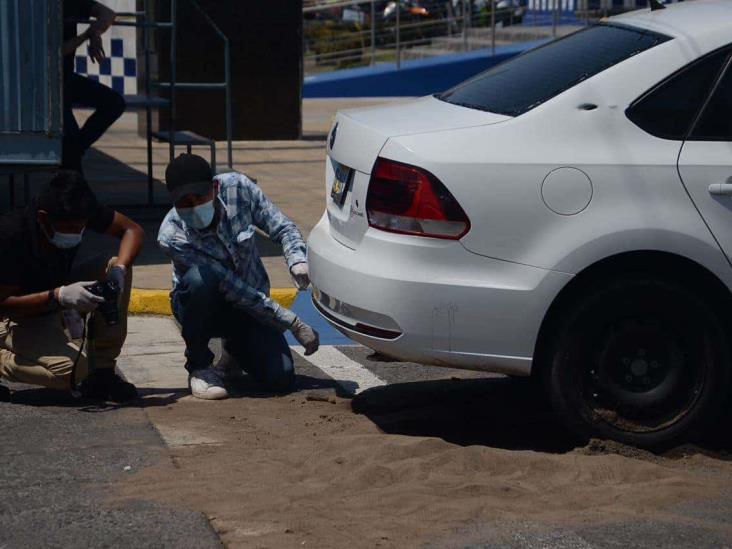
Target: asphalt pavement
{"x":60,"y":461}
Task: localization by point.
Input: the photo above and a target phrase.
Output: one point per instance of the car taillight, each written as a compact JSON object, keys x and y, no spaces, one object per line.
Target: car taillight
{"x":409,"y":200}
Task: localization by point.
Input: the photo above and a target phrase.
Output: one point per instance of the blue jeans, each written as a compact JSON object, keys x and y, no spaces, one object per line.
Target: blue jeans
{"x":203,"y":313}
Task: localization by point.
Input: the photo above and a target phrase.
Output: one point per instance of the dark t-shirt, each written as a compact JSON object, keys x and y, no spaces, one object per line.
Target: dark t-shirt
{"x":74,"y":9}
{"x":29,"y":265}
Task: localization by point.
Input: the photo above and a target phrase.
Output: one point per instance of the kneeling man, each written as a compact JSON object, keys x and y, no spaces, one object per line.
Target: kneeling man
{"x":220,"y":286}
{"x":44,"y":290}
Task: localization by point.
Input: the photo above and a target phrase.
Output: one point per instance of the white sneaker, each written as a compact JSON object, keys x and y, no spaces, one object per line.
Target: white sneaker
{"x":207,"y":384}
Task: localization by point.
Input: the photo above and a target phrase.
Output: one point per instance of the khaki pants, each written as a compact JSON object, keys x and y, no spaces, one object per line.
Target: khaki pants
{"x":36,"y":350}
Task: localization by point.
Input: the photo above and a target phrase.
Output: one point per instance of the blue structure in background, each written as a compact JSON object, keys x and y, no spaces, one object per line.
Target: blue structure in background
{"x":427,"y":76}
{"x":541,"y":12}
{"x":415,"y":78}
{"x":30,"y":85}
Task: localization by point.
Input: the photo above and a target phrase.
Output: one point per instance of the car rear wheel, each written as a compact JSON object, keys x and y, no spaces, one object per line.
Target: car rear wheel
{"x":641,"y":361}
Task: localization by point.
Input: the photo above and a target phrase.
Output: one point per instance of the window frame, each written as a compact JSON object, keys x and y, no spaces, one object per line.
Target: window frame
{"x":702,"y":105}
{"x":723,"y":73}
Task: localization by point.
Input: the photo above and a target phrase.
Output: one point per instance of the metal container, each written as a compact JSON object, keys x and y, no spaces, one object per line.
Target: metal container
{"x":30,"y":84}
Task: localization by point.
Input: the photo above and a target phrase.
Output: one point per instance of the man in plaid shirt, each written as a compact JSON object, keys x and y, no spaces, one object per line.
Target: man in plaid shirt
{"x":220,"y":286}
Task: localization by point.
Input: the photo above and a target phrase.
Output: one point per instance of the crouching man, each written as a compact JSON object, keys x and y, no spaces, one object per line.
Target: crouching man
{"x":220,"y":286}
{"x":44,"y":292}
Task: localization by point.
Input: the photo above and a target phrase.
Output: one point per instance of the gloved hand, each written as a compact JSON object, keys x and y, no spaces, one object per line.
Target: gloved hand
{"x":307,"y":337}
{"x":117,"y":275}
{"x":300,"y":275}
{"x":76,"y":296}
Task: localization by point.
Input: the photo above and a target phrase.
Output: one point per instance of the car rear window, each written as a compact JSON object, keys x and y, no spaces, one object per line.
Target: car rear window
{"x":525,"y":82}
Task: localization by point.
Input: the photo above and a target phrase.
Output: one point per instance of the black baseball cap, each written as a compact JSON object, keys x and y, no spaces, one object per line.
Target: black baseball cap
{"x":67,"y":196}
{"x":188,"y":174}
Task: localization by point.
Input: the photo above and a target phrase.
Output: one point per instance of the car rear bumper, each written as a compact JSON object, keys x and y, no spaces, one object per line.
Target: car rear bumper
{"x":431,"y":301}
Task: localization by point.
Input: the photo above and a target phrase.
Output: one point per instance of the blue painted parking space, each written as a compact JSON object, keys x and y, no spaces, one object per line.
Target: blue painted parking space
{"x":303,"y":307}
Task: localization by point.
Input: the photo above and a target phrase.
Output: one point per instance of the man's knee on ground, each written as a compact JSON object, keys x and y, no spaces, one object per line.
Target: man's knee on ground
{"x":68,"y":371}
{"x":57,"y":373}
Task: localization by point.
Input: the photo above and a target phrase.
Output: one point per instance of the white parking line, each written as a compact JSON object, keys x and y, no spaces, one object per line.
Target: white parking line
{"x":349,"y":374}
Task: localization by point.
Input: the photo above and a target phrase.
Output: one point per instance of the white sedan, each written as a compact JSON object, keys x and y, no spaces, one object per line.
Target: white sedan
{"x":565,"y":215}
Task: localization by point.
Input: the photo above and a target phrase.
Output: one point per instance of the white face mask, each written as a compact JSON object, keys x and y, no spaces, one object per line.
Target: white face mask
{"x":64,"y":241}
{"x":197,"y":217}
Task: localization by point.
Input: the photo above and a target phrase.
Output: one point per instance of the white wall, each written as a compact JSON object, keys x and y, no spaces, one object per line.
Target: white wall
{"x":120,"y":72}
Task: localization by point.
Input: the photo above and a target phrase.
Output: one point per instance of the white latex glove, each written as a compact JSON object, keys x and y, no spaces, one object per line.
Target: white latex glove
{"x":307,"y":337}
{"x":300,"y":275}
{"x":117,"y":275}
{"x":74,"y":323}
{"x":76,"y":296}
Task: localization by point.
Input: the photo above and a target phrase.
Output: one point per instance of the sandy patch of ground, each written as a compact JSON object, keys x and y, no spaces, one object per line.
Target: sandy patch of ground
{"x":292,"y":472}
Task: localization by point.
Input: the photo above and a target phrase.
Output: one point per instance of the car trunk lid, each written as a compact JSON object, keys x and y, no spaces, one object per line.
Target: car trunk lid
{"x":355,"y":141}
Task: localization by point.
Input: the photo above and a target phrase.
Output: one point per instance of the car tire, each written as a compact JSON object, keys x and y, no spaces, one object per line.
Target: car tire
{"x":641,"y":361}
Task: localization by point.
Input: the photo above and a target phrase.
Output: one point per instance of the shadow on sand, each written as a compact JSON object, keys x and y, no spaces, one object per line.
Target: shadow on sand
{"x":499,"y":412}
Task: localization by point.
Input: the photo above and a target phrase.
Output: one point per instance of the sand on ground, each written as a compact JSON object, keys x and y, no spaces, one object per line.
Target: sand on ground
{"x":293,"y":472}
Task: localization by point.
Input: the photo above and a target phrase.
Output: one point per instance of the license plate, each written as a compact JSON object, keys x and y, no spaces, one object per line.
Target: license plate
{"x":343,"y":177}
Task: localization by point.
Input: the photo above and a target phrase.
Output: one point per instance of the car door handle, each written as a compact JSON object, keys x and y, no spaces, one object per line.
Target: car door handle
{"x":721,"y":189}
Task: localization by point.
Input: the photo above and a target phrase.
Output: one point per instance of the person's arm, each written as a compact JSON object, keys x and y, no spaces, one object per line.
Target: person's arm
{"x":104,"y":18}
{"x":131,"y":237}
{"x":74,"y":296}
{"x":232,"y":287}
{"x":269,"y":218}
{"x":24,"y":305}
{"x":11,"y":277}
{"x":71,"y":45}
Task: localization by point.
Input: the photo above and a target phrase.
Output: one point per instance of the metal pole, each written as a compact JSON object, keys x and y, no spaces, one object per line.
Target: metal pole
{"x":554,"y":18}
{"x":465,"y":24}
{"x":148,"y":109}
{"x":373,"y":32}
{"x":398,"y":35}
{"x":493,"y":26}
{"x":227,"y":68}
{"x":173,"y":48}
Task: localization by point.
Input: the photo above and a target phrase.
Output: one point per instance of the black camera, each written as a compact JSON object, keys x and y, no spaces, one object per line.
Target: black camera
{"x":109,"y":309}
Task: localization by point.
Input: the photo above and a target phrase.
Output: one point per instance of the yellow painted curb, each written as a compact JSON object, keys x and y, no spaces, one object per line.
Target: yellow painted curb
{"x":150,"y":302}
{"x":157,"y":302}
{"x":284,"y":296}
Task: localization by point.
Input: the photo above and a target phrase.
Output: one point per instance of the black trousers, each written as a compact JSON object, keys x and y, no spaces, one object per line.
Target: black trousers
{"x":108,"y":106}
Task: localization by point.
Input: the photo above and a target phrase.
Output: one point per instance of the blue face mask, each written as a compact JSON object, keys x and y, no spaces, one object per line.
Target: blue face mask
{"x":64,"y":241}
{"x":198,"y":217}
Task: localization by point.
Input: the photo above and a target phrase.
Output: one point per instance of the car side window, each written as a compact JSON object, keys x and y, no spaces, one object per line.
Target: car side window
{"x":668,"y":110}
{"x":715,"y":123}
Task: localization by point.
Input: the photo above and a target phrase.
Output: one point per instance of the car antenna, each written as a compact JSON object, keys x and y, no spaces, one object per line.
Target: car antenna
{"x":656,"y":5}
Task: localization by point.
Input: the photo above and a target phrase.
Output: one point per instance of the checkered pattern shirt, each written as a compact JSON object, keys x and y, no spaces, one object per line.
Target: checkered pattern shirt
{"x":230,"y":250}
